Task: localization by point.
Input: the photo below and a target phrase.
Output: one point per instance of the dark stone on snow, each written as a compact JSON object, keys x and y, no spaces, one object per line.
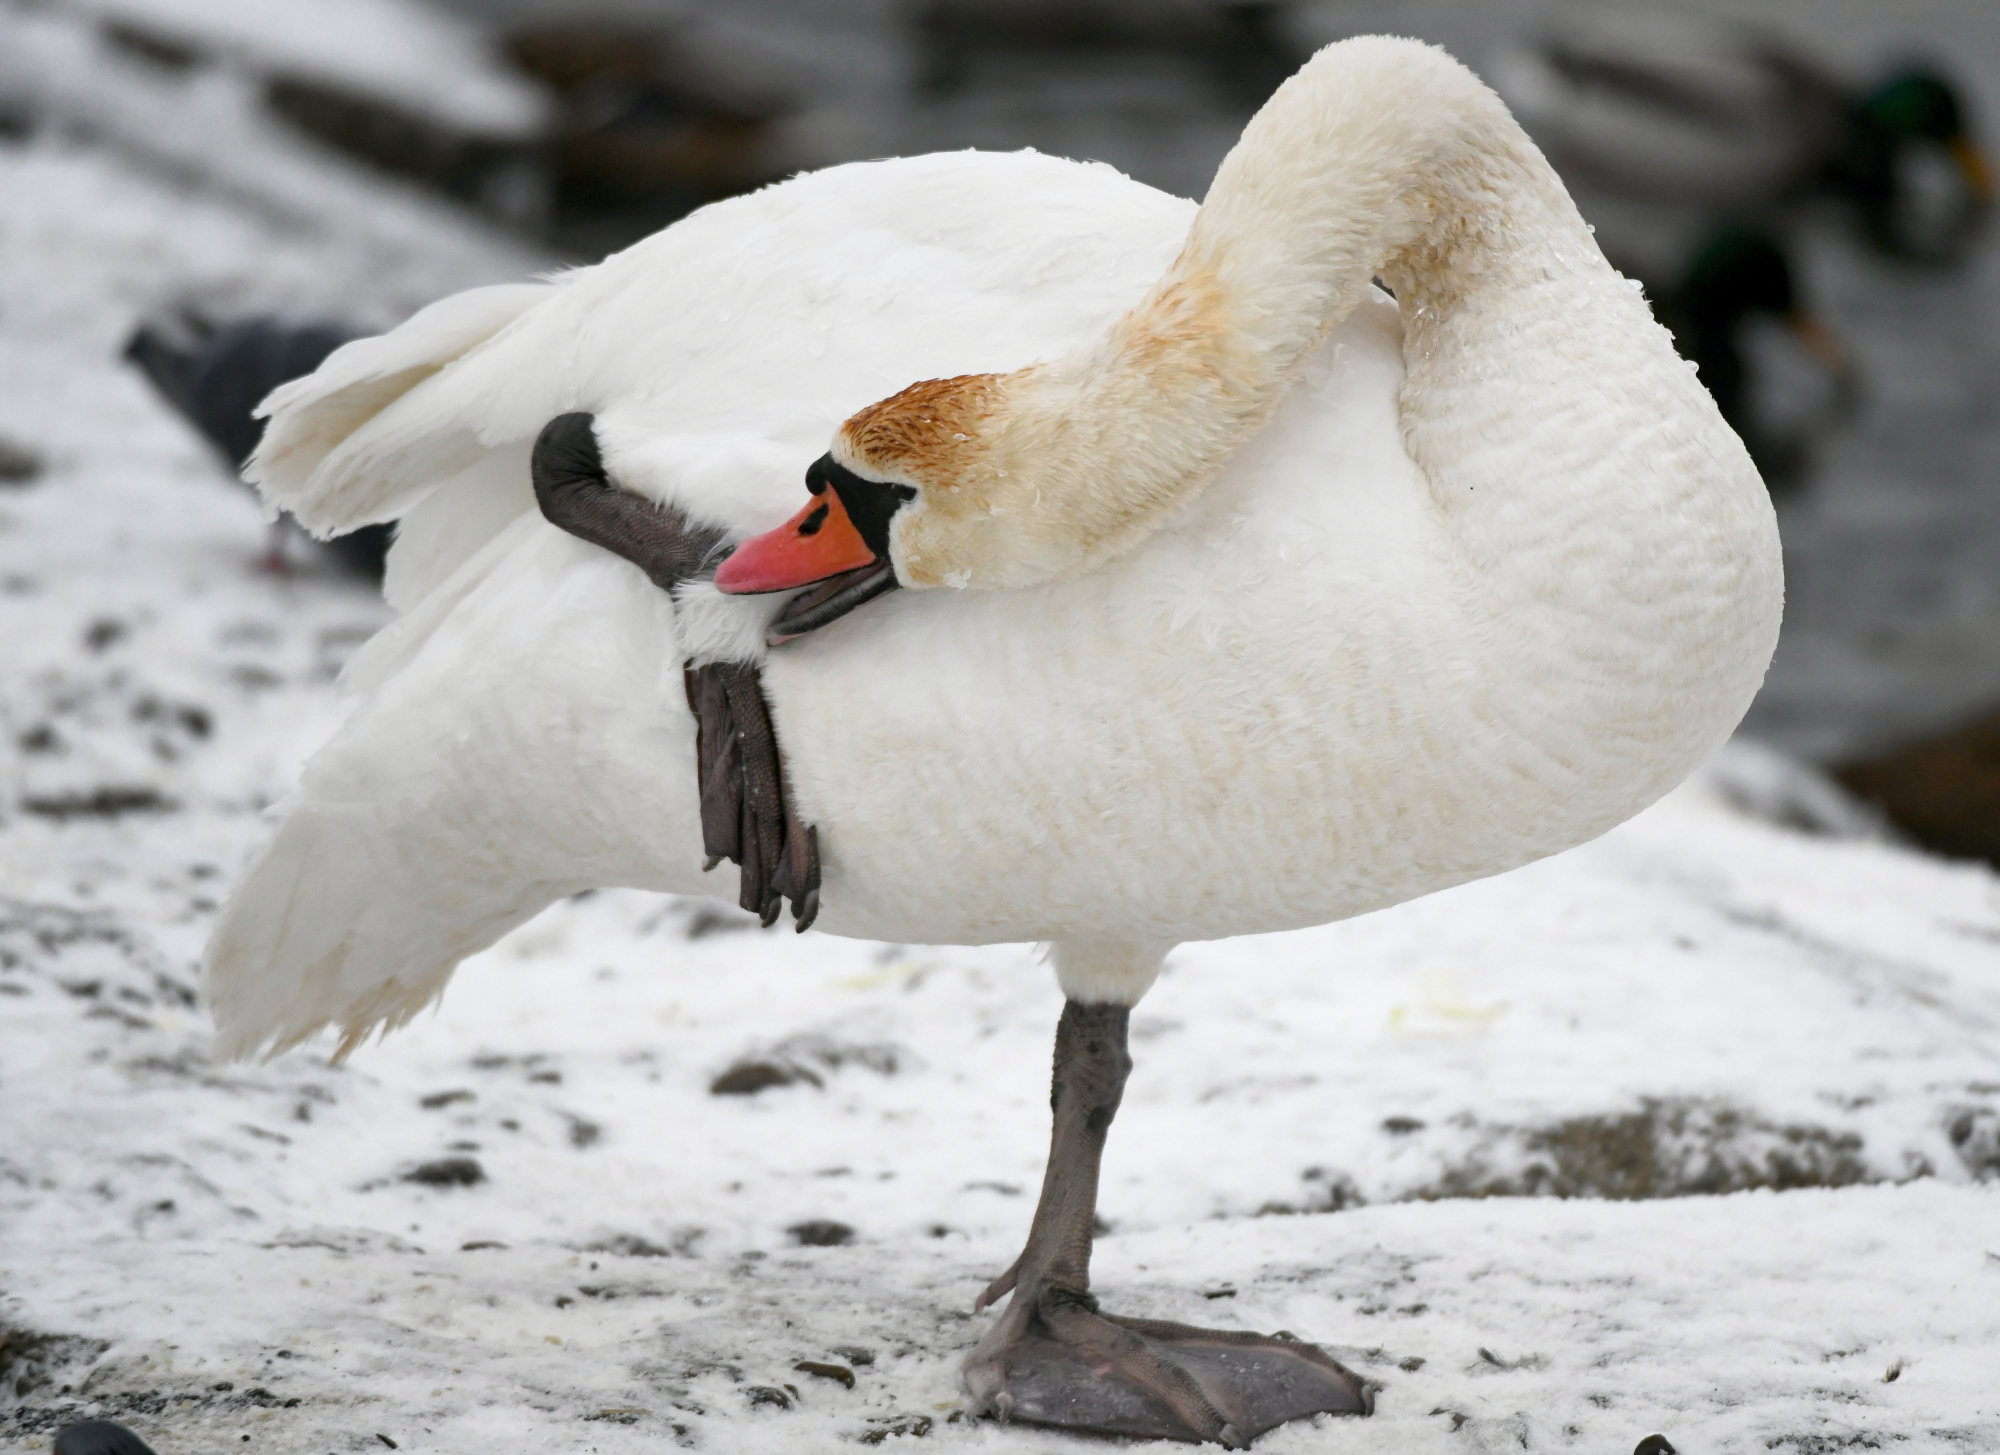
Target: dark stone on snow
{"x":630,"y":1245}
{"x":838,"y":1373}
{"x":30,"y":1361}
{"x":1975,"y":1136}
{"x":19,"y":465}
{"x":820,"y":1233}
{"x":804,"y":1058}
{"x":715,"y":920}
{"x":109,"y":801}
{"x":447,"y":1172}
{"x":1667,"y":1148}
{"x":915,"y":1426}
{"x":747,"y":1078}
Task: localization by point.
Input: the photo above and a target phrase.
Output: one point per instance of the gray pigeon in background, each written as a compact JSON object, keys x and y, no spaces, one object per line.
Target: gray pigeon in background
{"x":216,"y":375}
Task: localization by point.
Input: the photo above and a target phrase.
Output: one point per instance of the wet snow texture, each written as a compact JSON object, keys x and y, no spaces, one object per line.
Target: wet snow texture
{"x":533,"y":1222}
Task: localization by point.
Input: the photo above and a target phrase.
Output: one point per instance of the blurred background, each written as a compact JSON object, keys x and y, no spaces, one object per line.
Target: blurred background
{"x":203,"y":197}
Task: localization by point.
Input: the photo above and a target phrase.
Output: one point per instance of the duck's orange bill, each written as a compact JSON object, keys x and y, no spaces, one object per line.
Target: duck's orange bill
{"x":820,"y":541}
{"x":1977,"y":169}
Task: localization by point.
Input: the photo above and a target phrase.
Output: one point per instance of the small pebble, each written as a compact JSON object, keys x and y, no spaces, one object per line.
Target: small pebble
{"x":447,"y":1172}
{"x":820,"y":1233}
{"x":839,"y":1373}
{"x":20,"y":465}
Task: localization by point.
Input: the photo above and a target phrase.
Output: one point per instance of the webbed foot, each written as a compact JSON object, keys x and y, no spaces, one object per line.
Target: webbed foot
{"x":1066,"y":1364}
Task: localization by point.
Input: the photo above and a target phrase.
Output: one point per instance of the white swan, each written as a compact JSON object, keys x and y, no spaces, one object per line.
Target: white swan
{"x":1307,"y":601}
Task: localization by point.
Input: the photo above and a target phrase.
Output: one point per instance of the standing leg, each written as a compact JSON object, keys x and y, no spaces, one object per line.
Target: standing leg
{"x":1053,"y":1358}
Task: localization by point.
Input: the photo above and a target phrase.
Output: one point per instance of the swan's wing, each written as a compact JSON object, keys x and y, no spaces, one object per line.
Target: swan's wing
{"x":537,"y":742}
{"x":357,"y":440}
{"x":523,"y":730}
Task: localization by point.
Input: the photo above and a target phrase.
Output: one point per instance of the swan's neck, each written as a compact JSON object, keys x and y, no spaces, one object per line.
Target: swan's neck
{"x":1380,"y":158}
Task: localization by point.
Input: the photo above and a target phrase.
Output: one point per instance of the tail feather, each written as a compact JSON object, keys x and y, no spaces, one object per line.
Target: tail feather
{"x":359,"y":440}
{"x":525,"y":738}
{"x":317,"y":935}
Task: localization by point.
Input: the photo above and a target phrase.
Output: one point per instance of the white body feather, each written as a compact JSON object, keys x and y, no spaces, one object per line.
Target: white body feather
{"x":1336,"y":680}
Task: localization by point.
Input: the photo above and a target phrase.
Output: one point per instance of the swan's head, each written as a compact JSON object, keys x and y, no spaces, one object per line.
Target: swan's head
{"x":839,"y":545}
{"x":934,"y":486}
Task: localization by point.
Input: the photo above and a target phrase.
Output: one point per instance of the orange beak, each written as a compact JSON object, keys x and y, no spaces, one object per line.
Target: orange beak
{"x":820,"y":541}
{"x":1819,"y":341}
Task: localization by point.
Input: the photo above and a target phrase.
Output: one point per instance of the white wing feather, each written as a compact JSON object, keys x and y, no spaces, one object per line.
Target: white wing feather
{"x":522,"y":731}
{"x":361,"y":438}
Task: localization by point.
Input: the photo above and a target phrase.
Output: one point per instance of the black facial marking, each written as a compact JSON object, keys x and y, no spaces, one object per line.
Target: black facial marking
{"x":870,"y":503}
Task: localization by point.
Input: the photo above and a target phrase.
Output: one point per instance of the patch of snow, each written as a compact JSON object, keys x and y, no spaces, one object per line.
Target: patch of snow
{"x":329,"y":233}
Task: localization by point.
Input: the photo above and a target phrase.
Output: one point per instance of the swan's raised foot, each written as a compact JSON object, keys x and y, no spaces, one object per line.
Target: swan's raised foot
{"x":1075,"y":1368}
{"x":747,"y":812}
{"x":747,"y":815}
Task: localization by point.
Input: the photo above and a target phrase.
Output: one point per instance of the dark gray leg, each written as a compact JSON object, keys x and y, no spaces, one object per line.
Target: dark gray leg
{"x":746,"y":812}
{"x":1054,"y":1359}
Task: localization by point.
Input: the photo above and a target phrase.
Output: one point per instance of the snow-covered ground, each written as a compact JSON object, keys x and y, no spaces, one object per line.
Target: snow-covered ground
{"x":1753,"y":1074}
{"x":1698,"y":1003}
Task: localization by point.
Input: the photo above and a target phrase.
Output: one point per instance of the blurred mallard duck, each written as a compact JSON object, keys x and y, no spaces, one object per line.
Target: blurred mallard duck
{"x":1733,"y":119}
{"x":1739,"y":310}
{"x":1737,"y":276}
{"x":1911,"y":167}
